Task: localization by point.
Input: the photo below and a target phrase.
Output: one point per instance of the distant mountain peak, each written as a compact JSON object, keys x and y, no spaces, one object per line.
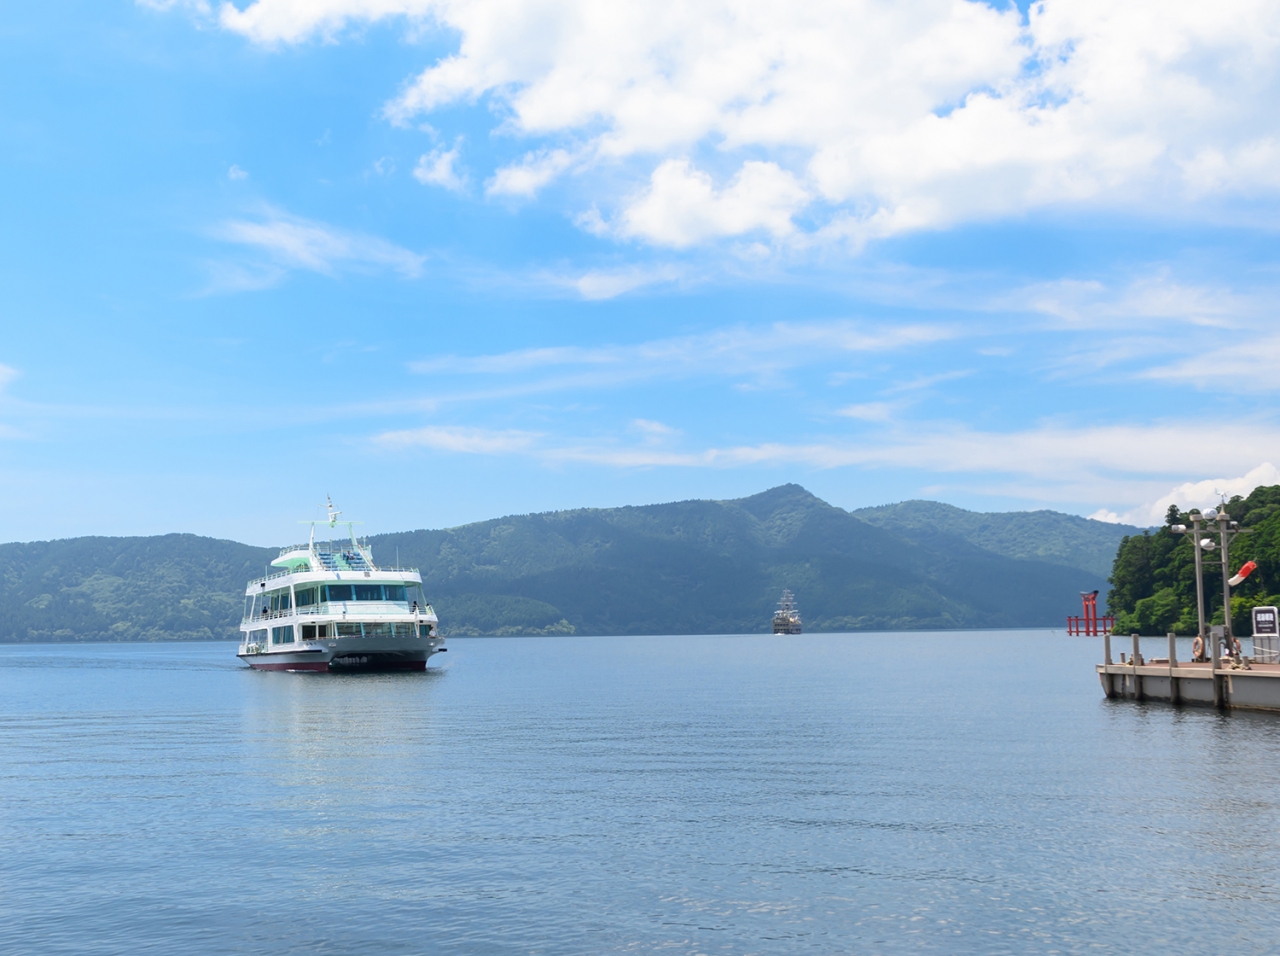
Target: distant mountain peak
{"x":783,"y":497}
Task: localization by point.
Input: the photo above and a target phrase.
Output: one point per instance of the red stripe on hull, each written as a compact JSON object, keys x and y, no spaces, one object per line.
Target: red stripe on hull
{"x":322,"y":667}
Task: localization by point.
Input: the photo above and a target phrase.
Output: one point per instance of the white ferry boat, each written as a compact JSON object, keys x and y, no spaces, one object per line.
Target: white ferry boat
{"x":331,"y":608}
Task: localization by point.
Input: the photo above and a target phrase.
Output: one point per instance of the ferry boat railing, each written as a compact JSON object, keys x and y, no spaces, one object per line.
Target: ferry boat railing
{"x":268,"y":615}
{"x":371,"y":570}
{"x":356,"y":608}
{"x":348,"y":629}
{"x":321,"y":547}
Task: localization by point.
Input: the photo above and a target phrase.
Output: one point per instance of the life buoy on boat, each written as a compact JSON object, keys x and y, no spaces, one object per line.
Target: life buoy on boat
{"x":1197,"y":648}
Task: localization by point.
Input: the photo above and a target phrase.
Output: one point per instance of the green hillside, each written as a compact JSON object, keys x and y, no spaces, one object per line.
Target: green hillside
{"x":170,"y":587}
{"x":684,"y":567}
{"x":1153,"y":579}
{"x":719,"y":566}
{"x":1036,"y":535}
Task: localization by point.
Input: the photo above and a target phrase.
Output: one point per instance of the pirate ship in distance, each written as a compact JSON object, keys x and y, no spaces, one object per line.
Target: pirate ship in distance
{"x":786,"y":619}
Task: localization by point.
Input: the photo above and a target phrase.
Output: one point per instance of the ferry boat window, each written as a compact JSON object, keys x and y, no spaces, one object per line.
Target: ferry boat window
{"x":348,"y":630}
{"x":305,"y":597}
{"x":258,"y":637}
{"x":424,"y":630}
{"x":381,"y":629}
{"x":282,"y":635}
{"x":414,"y":594}
{"x":368,"y":592}
{"x":395,"y":592}
{"x":280,"y":600}
{"x":403,"y":630}
{"x":337,"y":592}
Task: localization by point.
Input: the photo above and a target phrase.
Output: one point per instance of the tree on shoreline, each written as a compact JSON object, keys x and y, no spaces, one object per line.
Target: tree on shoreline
{"x":1153,"y":587}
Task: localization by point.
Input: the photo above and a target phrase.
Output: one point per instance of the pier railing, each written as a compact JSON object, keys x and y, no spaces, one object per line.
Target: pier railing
{"x":1266,"y":648}
{"x":1177,"y":649}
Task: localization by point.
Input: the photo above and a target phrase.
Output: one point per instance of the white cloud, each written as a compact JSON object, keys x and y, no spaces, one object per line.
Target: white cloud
{"x":473,"y":441}
{"x":1146,"y":302}
{"x":230,"y":277}
{"x":1047,"y":463}
{"x":1196,"y":494}
{"x":608,"y":283}
{"x":235,"y":172}
{"x":437,"y":169}
{"x":1056,"y":454}
{"x":1248,"y":365}
{"x":868,"y":412}
{"x":7,"y":374}
{"x":681,"y":206}
{"x":1110,"y":517}
{"x":298,"y":243}
{"x":293,"y":21}
{"x":654,"y":433}
{"x":881,"y":117}
{"x":199,"y":7}
{"x":526,"y":177}
{"x":923,"y":382}
{"x":733,"y":351}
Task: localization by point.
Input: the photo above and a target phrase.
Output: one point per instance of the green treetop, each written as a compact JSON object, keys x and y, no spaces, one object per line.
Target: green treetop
{"x":1153,"y":586}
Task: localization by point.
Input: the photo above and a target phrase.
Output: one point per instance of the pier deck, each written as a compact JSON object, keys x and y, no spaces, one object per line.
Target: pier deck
{"x":1249,"y":687}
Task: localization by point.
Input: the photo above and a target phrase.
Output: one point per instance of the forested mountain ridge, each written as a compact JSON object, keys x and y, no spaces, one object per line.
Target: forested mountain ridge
{"x":166,"y":587}
{"x":718,"y":566}
{"x":1153,"y":582}
{"x":683,"y":567}
{"x":1034,"y":535}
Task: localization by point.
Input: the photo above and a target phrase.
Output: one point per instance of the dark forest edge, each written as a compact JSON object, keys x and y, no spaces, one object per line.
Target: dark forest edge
{"x":1153,"y":582}
{"x":690,"y":567}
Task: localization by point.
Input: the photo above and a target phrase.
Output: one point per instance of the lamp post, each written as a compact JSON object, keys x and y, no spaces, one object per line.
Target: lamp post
{"x":1195,"y":547}
{"x":1224,"y":534}
{"x":1216,"y":523}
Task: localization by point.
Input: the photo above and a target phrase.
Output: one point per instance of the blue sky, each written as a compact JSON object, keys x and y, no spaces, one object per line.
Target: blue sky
{"x":448,"y":261}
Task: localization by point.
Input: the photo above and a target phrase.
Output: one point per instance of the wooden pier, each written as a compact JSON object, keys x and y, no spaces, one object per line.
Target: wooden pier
{"x":1229,"y":683}
{"x":1219,"y":674}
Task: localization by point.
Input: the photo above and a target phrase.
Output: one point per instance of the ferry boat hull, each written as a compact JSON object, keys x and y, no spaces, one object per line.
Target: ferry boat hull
{"x":358,"y":654}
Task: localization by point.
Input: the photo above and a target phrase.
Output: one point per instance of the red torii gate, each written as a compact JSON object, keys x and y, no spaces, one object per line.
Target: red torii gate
{"x":1089,"y":624}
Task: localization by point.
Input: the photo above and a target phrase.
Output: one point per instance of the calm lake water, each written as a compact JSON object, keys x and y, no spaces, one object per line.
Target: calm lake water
{"x":907,"y":793}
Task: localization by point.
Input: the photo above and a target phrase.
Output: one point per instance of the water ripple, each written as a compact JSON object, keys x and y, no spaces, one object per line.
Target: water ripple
{"x":737,"y":795}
